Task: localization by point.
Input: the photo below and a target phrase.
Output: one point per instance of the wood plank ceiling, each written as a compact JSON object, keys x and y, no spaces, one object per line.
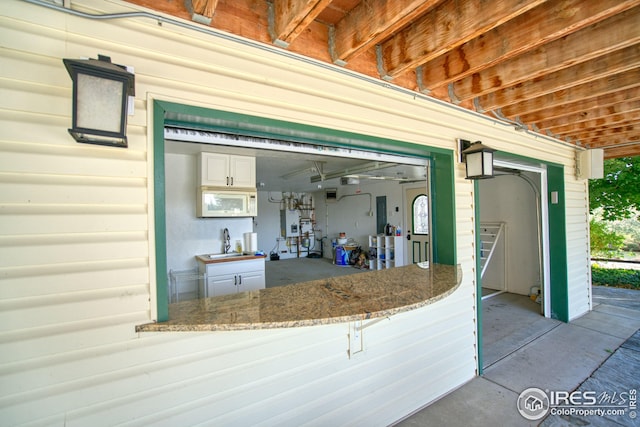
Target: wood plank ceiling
{"x":564,"y":68}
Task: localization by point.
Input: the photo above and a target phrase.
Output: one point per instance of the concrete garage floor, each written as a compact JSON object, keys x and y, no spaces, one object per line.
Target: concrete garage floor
{"x":509,"y":322}
{"x":297,"y":270}
{"x":599,"y":352}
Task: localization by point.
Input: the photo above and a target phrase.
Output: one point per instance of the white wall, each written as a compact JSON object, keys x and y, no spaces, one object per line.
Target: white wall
{"x":188,"y":235}
{"x":77,"y":241}
{"x":511,"y":200}
{"x":349,"y":215}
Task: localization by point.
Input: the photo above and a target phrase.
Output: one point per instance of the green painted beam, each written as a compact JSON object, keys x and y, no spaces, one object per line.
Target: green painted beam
{"x":162,"y":302}
{"x":444,"y":208}
{"x":558,"y":245}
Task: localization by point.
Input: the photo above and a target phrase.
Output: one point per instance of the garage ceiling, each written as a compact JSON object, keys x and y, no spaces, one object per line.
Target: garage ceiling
{"x":563,"y":68}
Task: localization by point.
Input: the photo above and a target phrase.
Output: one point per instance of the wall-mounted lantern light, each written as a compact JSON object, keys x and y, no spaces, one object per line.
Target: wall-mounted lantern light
{"x":100,"y":96}
{"x":478,"y":159}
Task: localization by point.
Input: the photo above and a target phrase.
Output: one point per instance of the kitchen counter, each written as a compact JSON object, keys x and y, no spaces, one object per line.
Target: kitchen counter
{"x":206,"y":260}
{"x":367,"y":295}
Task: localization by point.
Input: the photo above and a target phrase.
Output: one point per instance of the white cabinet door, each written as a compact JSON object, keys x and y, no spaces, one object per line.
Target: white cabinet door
{"x":235,"y":276}
{"x":214,"y":170}
{"x":251,"y":281}
{"x":221,"y":170}
{"x":222,"y":285}
{"x":242,"y":171}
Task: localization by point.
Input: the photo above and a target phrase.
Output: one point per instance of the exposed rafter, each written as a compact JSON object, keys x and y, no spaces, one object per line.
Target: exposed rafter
{"x":447,"y":26}
{"x":616,"y":32}
{"x":202,"y":10}
{"x":582,"y":106}
{"x":565,"y":79}
{"x":370,"y":22}
{"x":565,"y":68}
{"x":524,"y":33}
{"x":597,"y":116}
{"x":290,"y":18}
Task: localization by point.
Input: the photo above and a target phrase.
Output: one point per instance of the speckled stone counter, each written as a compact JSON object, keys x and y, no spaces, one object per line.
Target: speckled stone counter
{"x":360,"y":296}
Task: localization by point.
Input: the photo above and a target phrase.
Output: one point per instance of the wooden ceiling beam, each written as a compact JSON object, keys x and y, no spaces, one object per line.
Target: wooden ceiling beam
{"x":615,"y":142}
{"x":610,"y":137}
{"x":288,"y":18}
{"x":204,"y":7}
{"x":370,"y":23}
{"x":618,"y":147}
{"x":627,"y":130}
{"x":601,"y":111}
{"x":526,"y":32}
{"x":580,"y":106}
{"x":619,"y":82}
{"x":447,"y":26}
{"x":594,"y":124}
{"x":617,"y":32}
{"x":622,"y":149}
{"x":608,"y":65}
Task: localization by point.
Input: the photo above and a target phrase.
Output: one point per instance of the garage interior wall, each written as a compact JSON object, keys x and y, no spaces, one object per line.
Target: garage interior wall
{"x":511,"y":200}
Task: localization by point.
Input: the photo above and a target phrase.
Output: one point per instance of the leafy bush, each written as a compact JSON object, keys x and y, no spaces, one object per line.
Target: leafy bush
{"x":615,"y":277}
{"x":604,"y":242}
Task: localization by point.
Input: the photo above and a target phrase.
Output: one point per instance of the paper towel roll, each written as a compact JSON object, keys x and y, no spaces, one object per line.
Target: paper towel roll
{"x":250,"y":242}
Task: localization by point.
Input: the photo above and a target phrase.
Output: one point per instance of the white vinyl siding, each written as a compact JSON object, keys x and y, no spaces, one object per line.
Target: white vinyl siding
{"x":76,"y":242}
{"x":578,"y":263}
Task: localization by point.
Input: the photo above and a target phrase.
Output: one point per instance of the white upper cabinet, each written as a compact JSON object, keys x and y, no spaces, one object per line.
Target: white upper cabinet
{"x":242,"y":171}
{"x":222,"y":170}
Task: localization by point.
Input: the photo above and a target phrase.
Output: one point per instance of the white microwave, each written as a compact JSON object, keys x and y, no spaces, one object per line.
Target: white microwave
{"x":214,"y":202}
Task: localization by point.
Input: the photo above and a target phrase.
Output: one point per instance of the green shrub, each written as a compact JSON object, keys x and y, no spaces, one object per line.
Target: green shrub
{"x":603,"y":241}
{"x":615,"y":277}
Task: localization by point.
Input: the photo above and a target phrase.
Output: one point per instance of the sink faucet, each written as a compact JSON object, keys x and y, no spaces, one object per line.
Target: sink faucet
{"x":227,"y":241}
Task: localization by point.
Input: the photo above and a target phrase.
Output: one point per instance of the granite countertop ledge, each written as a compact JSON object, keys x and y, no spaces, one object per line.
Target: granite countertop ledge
{"x":206,"y":260}
{"x":354,"y":297}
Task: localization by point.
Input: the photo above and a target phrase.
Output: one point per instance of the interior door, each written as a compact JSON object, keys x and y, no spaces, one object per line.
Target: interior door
{"x":419,"y":219}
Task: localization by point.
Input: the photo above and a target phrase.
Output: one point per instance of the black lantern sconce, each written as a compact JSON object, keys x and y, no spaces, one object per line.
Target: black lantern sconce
{"x":478,"y":159}
{"x":100,"y":96}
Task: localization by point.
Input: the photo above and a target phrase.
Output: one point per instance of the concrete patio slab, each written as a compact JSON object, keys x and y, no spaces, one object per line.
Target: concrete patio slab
{"x":602,"y":320}
{"x":478,"y":403}
{"x":598,"y":352}
{"x":627,"y":313}
{"x":559,"y":360}
{"x":614,"y":384}
{"x":617,"y":297}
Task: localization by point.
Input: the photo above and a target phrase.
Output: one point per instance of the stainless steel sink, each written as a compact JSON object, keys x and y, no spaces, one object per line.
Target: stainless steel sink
{"x":229,"y":255}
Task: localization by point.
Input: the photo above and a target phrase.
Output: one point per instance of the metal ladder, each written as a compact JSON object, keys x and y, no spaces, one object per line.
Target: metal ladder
{"x":490,"y":235}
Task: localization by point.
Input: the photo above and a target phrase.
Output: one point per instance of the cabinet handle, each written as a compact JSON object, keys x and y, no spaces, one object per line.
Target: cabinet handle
{"x":239,"y":280}
{"x":232,"y":181}
{"x":227,"y":180}
{"x":235,"y":280}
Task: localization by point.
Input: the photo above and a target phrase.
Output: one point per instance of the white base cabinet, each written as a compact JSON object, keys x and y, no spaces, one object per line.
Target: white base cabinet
{"x":386,"y":251}
{"x":232,"y":277}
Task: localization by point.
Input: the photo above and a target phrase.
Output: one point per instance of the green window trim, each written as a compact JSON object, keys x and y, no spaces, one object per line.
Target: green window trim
{"x":173,"y":114}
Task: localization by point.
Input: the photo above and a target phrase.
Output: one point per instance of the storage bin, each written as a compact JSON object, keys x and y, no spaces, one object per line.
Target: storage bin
{"x":183,"y":285}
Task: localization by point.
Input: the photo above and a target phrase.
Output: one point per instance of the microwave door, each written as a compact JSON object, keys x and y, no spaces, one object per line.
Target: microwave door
{"x":224,"y":203}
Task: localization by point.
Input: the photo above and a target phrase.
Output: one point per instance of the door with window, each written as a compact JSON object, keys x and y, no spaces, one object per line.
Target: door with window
{"x":418,"y":210}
